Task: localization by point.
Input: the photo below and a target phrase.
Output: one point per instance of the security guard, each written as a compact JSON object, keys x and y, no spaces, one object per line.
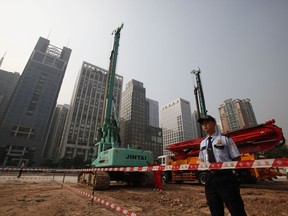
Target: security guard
{"x":221,"y":186}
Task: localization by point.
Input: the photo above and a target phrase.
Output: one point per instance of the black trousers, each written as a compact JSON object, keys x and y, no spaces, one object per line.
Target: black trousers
{"x":223,"y":187}
{"x":20,"y":172}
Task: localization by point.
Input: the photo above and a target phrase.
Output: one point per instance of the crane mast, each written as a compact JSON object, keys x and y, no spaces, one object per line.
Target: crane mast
{"x":198,"y":91}
{"x":110,"y":130}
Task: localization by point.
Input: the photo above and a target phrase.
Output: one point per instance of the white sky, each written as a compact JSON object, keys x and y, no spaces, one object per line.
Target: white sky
{"x":241,"y":47}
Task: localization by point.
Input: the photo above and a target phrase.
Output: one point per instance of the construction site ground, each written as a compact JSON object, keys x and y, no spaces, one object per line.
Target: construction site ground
{"x":20,"y":197}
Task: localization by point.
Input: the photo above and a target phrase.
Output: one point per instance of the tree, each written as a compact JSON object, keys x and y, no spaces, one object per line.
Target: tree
{"x":65,"y":162}
{"x":47,"y":163}
{"x":279,"y":152}
{"x":78,"y":161}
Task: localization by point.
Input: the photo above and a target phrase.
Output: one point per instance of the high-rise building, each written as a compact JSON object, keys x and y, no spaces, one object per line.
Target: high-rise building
{"x":86,"y":110}
{"x":246,"y":113}
{"x":52,"y":149}
{"x":176,"y":123}
{"x":196,"y":127}
{"x":135,"y":129}
{"x":236,"y":114}
{"x":25,"y":127}
{"x":153,"y":112}
{"x":8,"y":82}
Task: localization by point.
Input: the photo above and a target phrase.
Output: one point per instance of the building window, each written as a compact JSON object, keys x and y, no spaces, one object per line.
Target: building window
{"x":38,"y":56}
{"x":49,"y":60}
{"x":59,"y":64}
{"x":24,"y":132}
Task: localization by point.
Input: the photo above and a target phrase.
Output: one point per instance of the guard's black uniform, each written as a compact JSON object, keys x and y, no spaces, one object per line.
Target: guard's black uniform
{"x":222,"y":186}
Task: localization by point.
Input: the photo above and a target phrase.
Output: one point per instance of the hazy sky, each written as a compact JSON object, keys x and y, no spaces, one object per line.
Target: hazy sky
{"x":240,"y":46}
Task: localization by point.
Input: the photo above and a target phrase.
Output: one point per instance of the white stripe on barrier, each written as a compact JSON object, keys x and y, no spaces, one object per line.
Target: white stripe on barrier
{"x":263,"y":163}
{"x":184,"y":167}
{"x":106,"y":203}
{"x":25,"y":178}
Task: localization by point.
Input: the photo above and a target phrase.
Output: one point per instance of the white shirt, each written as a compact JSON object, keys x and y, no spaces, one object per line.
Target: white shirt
{"x":224,"y":148}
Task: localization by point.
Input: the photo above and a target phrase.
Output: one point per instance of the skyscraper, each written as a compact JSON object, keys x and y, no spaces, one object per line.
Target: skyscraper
{"x":86,"y":110}
{"x":135,"y":128}
{"x":153,"y":111}
{"x":176,"y":123}
{"x":236,"y":114}
{"x":26,"y":124}
{"x":196,"y":127}
{"x":52,"y":149}
{"x":8,"y":82}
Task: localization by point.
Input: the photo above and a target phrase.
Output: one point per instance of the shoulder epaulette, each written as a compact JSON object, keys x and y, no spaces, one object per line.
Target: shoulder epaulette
{"x":225,"y":135}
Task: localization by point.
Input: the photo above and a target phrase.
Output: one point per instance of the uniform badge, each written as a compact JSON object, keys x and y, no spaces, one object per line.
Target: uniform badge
{"x":219,"y":144}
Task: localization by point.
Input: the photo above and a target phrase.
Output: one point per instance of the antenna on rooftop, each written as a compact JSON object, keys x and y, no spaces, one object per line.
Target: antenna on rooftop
{"x":48,"y":34}
{"x":68,"y":43}
{"x":1,"y":60}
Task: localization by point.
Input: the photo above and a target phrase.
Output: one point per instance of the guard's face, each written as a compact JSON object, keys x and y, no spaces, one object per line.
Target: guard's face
{"x":208,"y":126}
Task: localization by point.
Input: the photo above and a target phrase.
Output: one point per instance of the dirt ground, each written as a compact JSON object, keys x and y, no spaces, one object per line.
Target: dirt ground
{"x":46,"y":199}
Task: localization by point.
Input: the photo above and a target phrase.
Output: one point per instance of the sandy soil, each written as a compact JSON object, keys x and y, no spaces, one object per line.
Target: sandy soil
{"x":50,"y":198}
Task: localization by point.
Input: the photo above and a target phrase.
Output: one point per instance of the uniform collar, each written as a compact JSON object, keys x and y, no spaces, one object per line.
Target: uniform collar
{"x":213,"y":136}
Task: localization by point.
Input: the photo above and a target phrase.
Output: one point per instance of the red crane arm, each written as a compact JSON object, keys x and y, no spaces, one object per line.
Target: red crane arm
{"x":248,"y":140}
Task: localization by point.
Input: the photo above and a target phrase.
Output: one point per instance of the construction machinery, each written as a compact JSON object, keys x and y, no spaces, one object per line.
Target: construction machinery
{"x":108,"y":152}
{"x":199,"y":96}
{"x":249,"y":141}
